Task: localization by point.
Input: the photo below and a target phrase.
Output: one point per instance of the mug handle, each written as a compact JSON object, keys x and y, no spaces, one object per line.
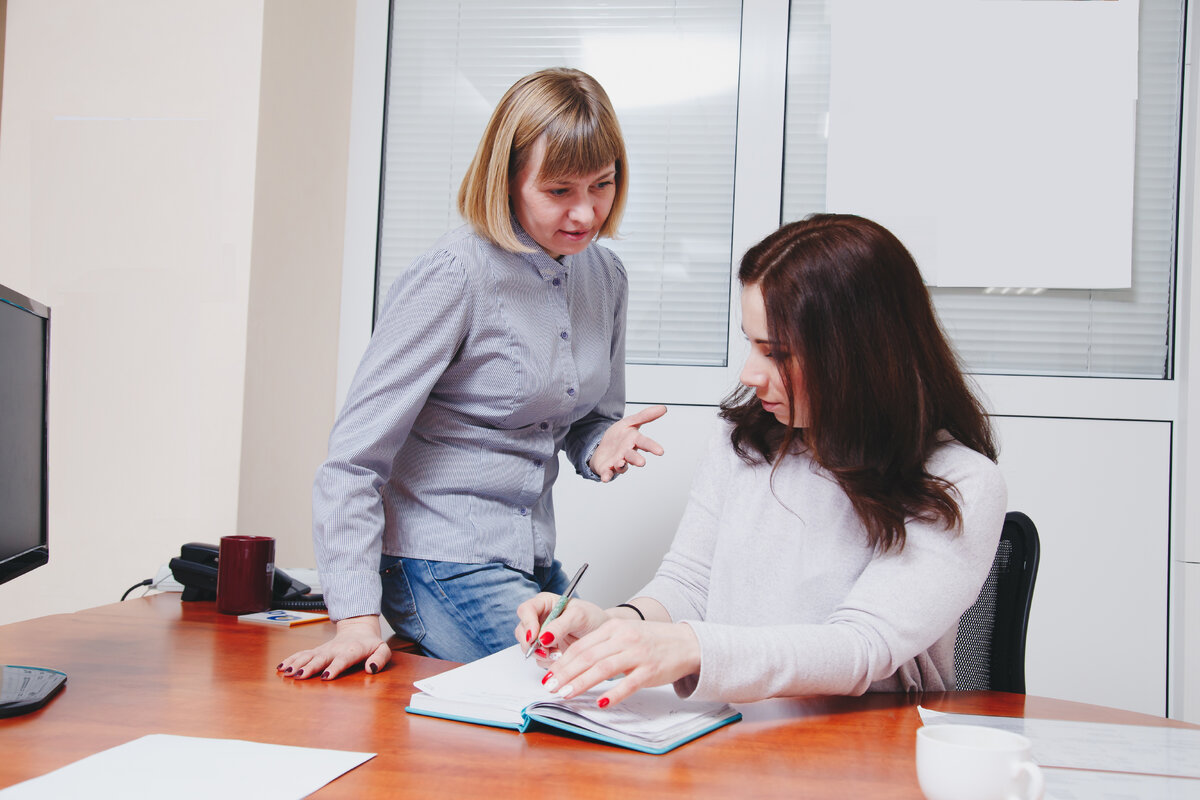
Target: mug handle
{"x":1035,"y":782}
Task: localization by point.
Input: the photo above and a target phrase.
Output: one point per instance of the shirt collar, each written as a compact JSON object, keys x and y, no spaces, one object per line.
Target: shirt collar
{"x":548,"y":267}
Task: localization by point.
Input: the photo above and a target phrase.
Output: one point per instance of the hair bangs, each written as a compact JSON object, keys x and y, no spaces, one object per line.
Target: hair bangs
{"x":581,"y":144}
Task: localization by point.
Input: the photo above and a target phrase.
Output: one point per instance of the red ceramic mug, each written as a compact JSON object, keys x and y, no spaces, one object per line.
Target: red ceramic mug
{"x":245,"y":571}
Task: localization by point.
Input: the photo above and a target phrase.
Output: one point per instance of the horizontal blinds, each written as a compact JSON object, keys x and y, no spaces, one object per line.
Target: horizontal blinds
{"x":1100,"y":333}
{"x":670,"y":69}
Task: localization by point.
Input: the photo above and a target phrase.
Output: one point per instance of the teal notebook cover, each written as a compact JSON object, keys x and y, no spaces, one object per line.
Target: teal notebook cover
{"x":531,"y":715}
{"x":656,"y":749}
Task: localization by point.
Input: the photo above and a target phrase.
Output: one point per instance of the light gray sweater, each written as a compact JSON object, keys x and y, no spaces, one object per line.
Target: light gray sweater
{"x":776,"y":578}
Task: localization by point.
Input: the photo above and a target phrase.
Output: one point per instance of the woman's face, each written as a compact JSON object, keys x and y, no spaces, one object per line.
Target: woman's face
{"x":563,"y":215}
{"x":762,"y":371}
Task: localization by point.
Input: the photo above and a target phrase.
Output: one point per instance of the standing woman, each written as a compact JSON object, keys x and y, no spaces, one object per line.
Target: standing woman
{"x":842,"y":522}
{"x":496,"y":349}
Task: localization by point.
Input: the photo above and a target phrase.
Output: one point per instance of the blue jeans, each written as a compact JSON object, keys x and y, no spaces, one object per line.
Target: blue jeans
{"x":460,"y":612}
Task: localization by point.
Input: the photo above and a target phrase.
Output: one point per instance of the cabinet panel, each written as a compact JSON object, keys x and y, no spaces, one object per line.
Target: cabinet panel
{"x":1099,"y":492}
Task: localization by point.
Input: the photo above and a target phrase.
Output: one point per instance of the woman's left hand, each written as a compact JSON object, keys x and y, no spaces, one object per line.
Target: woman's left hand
{"x":648,"y":653}
{"x":623,"y":444}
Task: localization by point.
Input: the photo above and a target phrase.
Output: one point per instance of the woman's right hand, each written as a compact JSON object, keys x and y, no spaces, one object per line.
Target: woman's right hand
{"x":358,"y":640}
{"x":579,"y":619}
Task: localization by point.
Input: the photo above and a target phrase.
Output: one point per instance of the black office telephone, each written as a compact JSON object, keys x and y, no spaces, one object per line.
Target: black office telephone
{"x":196,"y":569}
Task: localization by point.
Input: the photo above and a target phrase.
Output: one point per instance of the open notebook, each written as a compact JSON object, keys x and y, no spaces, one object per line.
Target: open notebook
{"x":504,"y":690}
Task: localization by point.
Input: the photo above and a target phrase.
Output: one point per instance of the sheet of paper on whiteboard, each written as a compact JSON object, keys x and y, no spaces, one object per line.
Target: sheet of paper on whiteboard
{"x":996,"y":139}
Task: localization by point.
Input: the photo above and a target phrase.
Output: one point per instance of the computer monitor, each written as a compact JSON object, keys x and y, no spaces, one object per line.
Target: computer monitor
{"x":24,"y":371}
{"x":24,"y":525}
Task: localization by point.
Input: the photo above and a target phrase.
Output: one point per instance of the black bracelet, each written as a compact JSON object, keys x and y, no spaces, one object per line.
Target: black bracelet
{"x":636,"y":610}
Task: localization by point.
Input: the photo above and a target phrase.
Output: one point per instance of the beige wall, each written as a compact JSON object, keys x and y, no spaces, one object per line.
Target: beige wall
{"x":3,"y":16}
{"x":127,"y":203}
{"x":295,"y":285}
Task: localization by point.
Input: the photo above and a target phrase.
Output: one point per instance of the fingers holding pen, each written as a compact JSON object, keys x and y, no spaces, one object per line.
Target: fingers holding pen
{"x":578,"y":618}
{"x":529,"y":618}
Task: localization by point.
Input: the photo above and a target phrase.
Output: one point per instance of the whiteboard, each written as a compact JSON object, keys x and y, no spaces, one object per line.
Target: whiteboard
{"x":995,"y":138}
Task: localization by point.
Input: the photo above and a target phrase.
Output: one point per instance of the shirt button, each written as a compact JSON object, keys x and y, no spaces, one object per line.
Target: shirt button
{"x":544,"y":425}
{"x":556,"y":282}
{"x":571,"y":392}
{"x":537,"y":462}
{"x":563,"y":334}
{"x":524,"y":511}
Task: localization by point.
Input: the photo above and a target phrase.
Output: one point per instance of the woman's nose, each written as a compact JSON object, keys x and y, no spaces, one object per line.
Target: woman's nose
{"x":581,"y":211}
{"x":751,"y":375}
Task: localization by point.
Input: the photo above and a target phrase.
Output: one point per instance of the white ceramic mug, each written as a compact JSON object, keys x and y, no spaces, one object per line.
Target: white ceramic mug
{"x":971,"y":762}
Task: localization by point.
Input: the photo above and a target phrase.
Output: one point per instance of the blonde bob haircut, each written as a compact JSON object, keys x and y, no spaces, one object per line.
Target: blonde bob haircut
{"x":572,"y":111}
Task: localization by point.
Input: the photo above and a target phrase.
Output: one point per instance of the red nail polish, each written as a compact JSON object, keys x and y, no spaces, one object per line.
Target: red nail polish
{"x":325,"y":675}
{"x":299,"y":673}
{"x":280,"y":666}
{"x":540,"y":653}
{"x":602,"y":702}
{"x":529,"y":635}
{"x":549,"y":675}
{"x":371,"y":668}
{"x":547,"y":637}
{"x":287,"y":671}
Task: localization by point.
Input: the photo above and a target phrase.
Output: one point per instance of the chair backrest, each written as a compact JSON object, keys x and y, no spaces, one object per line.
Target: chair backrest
{"x":989,"y":652}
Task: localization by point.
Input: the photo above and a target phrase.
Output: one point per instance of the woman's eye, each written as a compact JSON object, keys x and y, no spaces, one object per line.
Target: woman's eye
{"x":603,"y":185}
{"x":559,"y":192}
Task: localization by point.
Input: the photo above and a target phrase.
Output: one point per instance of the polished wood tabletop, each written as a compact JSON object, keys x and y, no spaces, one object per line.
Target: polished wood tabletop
{"x":158,"y":665}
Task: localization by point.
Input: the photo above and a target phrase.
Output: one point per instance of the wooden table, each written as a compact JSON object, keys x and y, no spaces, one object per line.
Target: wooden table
{"x":156,"y":665}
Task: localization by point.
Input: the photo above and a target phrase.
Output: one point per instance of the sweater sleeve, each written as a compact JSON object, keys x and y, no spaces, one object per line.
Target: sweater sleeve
{"x":682,"y":580}
{"x":899,"y":607}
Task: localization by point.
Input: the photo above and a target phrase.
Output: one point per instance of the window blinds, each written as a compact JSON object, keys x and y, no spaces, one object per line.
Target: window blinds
{"x":670,"y":69}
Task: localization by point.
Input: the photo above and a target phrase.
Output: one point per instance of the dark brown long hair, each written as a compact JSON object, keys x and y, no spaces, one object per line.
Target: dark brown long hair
{"x":846,"y":305}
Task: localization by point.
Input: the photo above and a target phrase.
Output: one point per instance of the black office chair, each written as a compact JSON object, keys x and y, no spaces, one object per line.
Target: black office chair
{"x":989,"y":652}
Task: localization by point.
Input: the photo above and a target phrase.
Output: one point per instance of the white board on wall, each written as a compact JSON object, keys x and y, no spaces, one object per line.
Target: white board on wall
{"x":994,"y":137}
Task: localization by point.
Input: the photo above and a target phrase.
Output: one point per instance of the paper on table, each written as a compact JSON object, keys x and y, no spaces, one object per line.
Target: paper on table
{"x":1086,"y":784}
{"x":1096,"y":745}
{"x":186,"y":767}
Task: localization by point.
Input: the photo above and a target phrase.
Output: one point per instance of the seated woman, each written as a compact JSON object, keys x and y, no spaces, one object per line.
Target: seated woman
{"x":839,"y":525}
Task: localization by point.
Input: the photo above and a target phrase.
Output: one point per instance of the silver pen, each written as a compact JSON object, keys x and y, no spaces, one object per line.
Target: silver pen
{"x":558,"y":609}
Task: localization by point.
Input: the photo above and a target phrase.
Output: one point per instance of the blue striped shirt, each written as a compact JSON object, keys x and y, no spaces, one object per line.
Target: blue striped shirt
{"x":483,"y":365}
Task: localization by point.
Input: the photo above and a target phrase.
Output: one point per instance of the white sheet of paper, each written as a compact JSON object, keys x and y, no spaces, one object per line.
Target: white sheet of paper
{"x":505,"y":679}
{"x":187,"y":767}
{"x":1086,"y":784}
{"x":1100,"y":746}
{"x":995,"y":139}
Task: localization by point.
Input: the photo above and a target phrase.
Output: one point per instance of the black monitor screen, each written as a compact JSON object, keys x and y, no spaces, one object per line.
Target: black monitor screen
{"x":24,"y":358}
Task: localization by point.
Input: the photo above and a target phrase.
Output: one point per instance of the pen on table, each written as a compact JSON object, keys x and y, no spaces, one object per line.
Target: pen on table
{"x":558,"y":608}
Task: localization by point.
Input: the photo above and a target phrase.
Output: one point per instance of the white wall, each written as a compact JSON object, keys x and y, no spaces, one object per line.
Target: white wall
{"x":622,"y":528}
{"x":127,"y":149}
